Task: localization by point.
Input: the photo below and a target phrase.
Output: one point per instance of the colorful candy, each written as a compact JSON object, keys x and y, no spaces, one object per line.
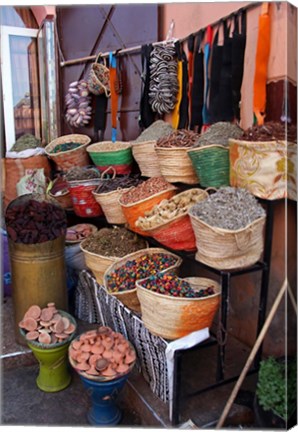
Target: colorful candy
{"x":171,"y":285}
{"x":124,"y":278}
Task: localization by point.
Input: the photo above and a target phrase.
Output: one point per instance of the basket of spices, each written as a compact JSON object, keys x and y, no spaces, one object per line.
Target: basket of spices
{"x":117,"y":154}
{"x":139,"y":199}
{"x":143,"y":148}
{"x":59,"y":190}
{"x":210,"y":154}
{"x":108,"y":245}
{"x":108,"y":193}
{"x":264,"y":161}
{"x":69,"y":151}
{"x":81,"y":182}
{"x":228,"y":227}
{"x":173,"y":307}
{"x":120,"y":278}
{"x":168,"y":222}
{"x":174,"y":163}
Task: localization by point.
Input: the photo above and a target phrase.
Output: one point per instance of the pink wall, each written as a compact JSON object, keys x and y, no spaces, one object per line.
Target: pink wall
{"x":40,"y":12}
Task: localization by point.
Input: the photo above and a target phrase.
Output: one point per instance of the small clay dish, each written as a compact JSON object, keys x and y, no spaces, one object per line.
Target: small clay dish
{"x":81,"y":231}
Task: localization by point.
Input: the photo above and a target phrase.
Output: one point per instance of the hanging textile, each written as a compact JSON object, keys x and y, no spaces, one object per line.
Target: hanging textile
{"x":190,"y":47}
{"x":101,"y":102}
{"x":238,"y":51}
{"x":215,"y":71}
{"x":146,"y":116}
{"x":114,"y":95}
{"x":207,"y":49}
{"x":197,"y":93}
{"x":262,"y":56}
{"x":175,"y":115}
{"x":183,"y":113}
{"x":225,"y":85}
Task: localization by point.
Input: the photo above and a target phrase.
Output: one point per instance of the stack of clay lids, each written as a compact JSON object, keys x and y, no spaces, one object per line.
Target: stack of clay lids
{"x":102,"y":354}
{"x":47,"y":326}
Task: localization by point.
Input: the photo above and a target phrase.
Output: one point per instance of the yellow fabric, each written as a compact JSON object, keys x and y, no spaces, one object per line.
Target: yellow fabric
{"x":267,"y":169}
{"x":260,"y":78}
{"x":175,"y":118}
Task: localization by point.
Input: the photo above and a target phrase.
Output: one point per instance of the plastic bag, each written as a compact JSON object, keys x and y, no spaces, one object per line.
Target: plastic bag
{"x":34,"y":181}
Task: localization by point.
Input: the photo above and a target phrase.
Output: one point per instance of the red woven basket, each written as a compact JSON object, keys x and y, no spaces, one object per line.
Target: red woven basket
{"x":83,"y":201}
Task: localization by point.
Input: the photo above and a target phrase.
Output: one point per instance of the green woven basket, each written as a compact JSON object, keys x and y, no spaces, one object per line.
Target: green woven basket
{"x":212,"y":165}
{"x":117,"y":155}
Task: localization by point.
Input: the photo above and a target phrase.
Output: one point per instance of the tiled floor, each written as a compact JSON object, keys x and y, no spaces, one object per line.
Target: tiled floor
{"x":24,"y":404}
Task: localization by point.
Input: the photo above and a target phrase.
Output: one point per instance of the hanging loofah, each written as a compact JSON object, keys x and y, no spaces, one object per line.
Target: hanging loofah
{"x":77,"y":100}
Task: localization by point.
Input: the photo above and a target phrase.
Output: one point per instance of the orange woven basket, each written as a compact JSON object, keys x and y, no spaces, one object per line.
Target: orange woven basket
{"x":133,"y":211}
{"x":66,"y":160}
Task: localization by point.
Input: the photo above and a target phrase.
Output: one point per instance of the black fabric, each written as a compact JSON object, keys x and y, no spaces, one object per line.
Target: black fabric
{"x":191,"y":43}
{"x":183,"y":111}
{"x":225,"y":88}
{"x":215,"y":71}
{"x":197,"y":92}
{"x":238,"y":51}
{"x":101,"y":102}
{"x":146,"y":116}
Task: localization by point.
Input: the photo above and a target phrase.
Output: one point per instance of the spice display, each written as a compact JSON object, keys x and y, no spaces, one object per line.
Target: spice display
{"x":167,"y":210}
{"x":32,"y":221}
{"x":65,"y":147}
{"x":116,"y":183}
{"x":124,"y":277}
{"x":145,"y":190}
{"x":26,"y":141}
{"x":77,"y":100}
{"x":229,"y":208}
{"x":82,"y":173}
{"x":178,"y":138}
{"x":271,"y":131}
{"x":156,"y":130}
{"x":219,"y":133}
{"x":79,"y":232}
{"x":46,"y":325}
{"x":116,"y":241}
{"x":172,"y":285}
{"x":163,"y":85}
{"x":102,"y":353}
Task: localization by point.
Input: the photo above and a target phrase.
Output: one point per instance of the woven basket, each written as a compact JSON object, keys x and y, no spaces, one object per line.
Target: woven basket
{"x":68,"y":159}
{"x":175,"y":165}
{"x":174,"y":317}
{"x":129,"y":298}
{"x":228,"y":249}
{"x":111,"y":208}
{"x":267,"y":169}
{"x":133,"y":211}
{"x":116,"y":154}
{"x":64,"y":199}
{"x":211,"y":164}
{"x":145,"y":155}
{"x":177,"y":233}
{"x":83,"y":201}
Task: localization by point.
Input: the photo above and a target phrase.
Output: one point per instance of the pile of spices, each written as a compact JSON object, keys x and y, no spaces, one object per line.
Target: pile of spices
{"x":65,"y":147}
{"x":32,"y":222}
{"x":115,"y":242}
{"x":102,"y":352}
{"x":82,"y":173}
{"x":271,"y":131}
{"x":229,"y":208}
{"x":46,"y":325}
{"x":219,"y":133}
{"x":116,"y":183}
{"x":172,"y":285}
{"x":124,"y":277}
{"x":145,"y":190}
{"x":156,"y":130}
{"x":25,"y":142}
{"x":179,"y":138}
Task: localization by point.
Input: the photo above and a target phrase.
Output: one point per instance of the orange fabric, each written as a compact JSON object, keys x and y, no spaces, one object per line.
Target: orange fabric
{"x":260,"y":79}
{"x":114,"y":97}
{"x":175,"y":118}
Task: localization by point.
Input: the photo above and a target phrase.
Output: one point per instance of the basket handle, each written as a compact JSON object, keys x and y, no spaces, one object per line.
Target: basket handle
{"x":242,"y":240}
{"x":107,"y":170}
{"x":211,"y":188}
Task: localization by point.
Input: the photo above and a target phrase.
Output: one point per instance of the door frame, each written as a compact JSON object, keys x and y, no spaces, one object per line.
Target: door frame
{"x":9,"y":122}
